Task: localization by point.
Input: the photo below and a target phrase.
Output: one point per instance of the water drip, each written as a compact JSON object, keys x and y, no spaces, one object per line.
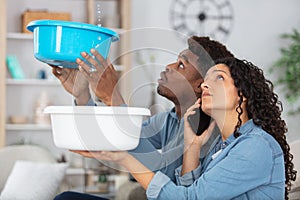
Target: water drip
{"x":98,"y":15}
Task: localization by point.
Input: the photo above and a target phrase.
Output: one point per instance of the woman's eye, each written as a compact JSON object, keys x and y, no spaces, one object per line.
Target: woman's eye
{"x":220,"y":77}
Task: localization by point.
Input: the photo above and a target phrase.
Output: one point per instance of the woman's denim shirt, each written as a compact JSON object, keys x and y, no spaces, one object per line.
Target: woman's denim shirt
{"x":164,"y":131}
{"x":248,"y":167}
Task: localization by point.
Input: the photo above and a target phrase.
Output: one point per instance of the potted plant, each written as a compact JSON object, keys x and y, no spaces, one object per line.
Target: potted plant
{"x":288,"y":66}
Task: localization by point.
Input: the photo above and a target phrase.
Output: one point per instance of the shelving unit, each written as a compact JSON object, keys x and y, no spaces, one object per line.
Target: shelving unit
{"x":9,"y":38}
{"x":17,"y":95}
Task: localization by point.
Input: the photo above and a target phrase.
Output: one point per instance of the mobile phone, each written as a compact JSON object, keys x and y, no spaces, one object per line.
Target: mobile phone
{"x":199,"y":121}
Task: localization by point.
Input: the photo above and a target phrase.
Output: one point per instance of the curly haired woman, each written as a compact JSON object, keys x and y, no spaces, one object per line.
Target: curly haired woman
{"x":249,"y":160}
{"x":252,"y":159}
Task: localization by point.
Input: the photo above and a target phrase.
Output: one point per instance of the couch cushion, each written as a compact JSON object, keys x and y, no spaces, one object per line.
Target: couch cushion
{"x":131,"y":191}
{"x":10,"y":154}
{"x":33,"y":180}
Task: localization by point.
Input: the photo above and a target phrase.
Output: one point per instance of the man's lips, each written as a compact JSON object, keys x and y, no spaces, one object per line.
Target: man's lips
{"x":163,"y":77}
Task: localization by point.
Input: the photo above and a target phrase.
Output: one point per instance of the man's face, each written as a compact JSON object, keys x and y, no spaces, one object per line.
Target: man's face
{"x":182,"y":78}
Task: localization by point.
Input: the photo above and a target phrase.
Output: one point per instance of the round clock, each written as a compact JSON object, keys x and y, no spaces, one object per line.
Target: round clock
{"x":212,"y":18}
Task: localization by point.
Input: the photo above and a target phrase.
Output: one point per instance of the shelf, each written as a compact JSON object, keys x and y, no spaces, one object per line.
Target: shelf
{"x":75,"y":171}
{"x":20,"y":36}
{"x":28,"y":127}
{"x":118,"y":30}
{"x":41,"y":82}
{"x":79,"y":171}
{"x":119,"y":67}
{"x":29,"y":36}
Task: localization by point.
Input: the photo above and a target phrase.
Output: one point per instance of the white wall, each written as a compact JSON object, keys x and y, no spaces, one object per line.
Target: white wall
{"x":254,"y":36}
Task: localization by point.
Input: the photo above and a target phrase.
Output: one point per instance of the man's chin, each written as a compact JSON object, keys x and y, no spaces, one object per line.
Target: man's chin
{"x":164,"y":91}
{"x":160,"y":89}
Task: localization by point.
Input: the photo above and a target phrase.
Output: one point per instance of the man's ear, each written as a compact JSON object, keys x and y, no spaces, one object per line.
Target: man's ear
{"x":198,"y":86}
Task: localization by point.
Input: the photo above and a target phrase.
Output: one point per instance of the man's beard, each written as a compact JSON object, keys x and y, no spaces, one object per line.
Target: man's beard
{"x":167,"y":93}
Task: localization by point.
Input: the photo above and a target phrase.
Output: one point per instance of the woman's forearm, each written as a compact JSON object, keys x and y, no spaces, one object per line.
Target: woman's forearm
{"x":190,"y":158}
{"x":141,"y":173}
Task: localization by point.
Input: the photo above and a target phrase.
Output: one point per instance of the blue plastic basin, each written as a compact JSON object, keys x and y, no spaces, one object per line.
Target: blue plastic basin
{"x":59,"y":43}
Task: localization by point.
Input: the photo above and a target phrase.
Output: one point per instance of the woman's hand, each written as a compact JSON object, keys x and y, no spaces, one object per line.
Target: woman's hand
{"x":74,"y":82}
{"x":118,"y":157}
{"x":103,"y":78}
{"x":192,"y":142}
{"x":190,"y":137}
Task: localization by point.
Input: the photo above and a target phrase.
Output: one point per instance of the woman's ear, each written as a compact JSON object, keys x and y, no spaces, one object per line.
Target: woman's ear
{"x":244,"y":98}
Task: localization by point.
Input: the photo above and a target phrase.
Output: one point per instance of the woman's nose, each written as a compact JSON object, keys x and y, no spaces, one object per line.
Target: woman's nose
{"x":204,"y":85}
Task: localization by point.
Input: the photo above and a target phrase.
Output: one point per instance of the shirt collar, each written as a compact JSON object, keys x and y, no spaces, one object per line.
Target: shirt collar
{"x":244,"y":129}
{"x":173,"y":113}
{"x":247,"y":127}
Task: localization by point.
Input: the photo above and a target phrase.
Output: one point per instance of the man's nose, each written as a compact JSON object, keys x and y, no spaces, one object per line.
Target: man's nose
{"x":170,"y":67}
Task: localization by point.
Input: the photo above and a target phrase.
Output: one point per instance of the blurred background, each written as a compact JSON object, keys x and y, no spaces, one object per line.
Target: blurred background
{"x":152,"y":32}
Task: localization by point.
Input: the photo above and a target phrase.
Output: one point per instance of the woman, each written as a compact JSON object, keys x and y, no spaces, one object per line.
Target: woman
{"x":249,"y":160}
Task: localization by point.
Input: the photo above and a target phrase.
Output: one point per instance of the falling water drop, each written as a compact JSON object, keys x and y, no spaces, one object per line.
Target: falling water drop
{"x":98,"y":14}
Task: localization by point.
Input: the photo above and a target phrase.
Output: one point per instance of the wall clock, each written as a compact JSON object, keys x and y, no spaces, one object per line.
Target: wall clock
{"x":212,"y":18}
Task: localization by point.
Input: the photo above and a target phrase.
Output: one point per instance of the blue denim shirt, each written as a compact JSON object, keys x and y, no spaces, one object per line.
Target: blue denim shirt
{"x":248,"y":167}
{"x":161,"y":145}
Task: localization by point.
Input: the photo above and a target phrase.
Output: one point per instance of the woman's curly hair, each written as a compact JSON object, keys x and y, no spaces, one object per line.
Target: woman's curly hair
{"x":262,"y":106}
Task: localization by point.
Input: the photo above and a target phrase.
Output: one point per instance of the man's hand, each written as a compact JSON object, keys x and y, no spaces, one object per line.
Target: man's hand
{"x":74,"y":82}
{"x":103,"y":78}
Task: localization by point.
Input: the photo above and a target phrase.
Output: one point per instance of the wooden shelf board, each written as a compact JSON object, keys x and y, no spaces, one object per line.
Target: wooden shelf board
{"x":45,"y":82}
{"x":30,"y":127}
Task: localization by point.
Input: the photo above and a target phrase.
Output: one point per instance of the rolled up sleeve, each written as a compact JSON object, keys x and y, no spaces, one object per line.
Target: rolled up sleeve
{"x":188,"y":178}
{"x":157,"y":183}
{"x":91,"y":102}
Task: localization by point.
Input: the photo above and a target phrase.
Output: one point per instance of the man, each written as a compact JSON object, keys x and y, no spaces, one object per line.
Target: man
{"x":179,"y":83}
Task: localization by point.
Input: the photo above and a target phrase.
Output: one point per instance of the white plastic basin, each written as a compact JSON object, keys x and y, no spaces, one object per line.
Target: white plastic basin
{"x":96,"y":128}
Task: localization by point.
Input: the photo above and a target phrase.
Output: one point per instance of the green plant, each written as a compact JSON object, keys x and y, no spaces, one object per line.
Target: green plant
{"x":288,"y":66}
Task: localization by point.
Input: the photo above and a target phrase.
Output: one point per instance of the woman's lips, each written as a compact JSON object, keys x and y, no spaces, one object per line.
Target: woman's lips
{"x":205,"y":94}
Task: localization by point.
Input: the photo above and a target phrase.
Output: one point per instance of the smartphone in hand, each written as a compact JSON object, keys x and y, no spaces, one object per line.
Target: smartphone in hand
{"x":199,"y":121}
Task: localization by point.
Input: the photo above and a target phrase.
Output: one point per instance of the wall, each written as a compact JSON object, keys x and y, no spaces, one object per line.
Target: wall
{"x":254,"y":36}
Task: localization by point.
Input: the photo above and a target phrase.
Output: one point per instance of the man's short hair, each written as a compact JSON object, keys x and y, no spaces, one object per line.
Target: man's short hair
{"x":208,"y":51}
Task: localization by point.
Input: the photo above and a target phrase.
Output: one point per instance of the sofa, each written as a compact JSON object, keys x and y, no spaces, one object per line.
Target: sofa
{"x":29,"y":172}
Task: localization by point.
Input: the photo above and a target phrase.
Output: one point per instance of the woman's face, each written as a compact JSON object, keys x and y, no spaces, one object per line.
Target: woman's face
{"x":218,"y":91}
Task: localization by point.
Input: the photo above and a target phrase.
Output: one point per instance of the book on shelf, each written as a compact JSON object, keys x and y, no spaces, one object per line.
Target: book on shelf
{"x":14,"y":67}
